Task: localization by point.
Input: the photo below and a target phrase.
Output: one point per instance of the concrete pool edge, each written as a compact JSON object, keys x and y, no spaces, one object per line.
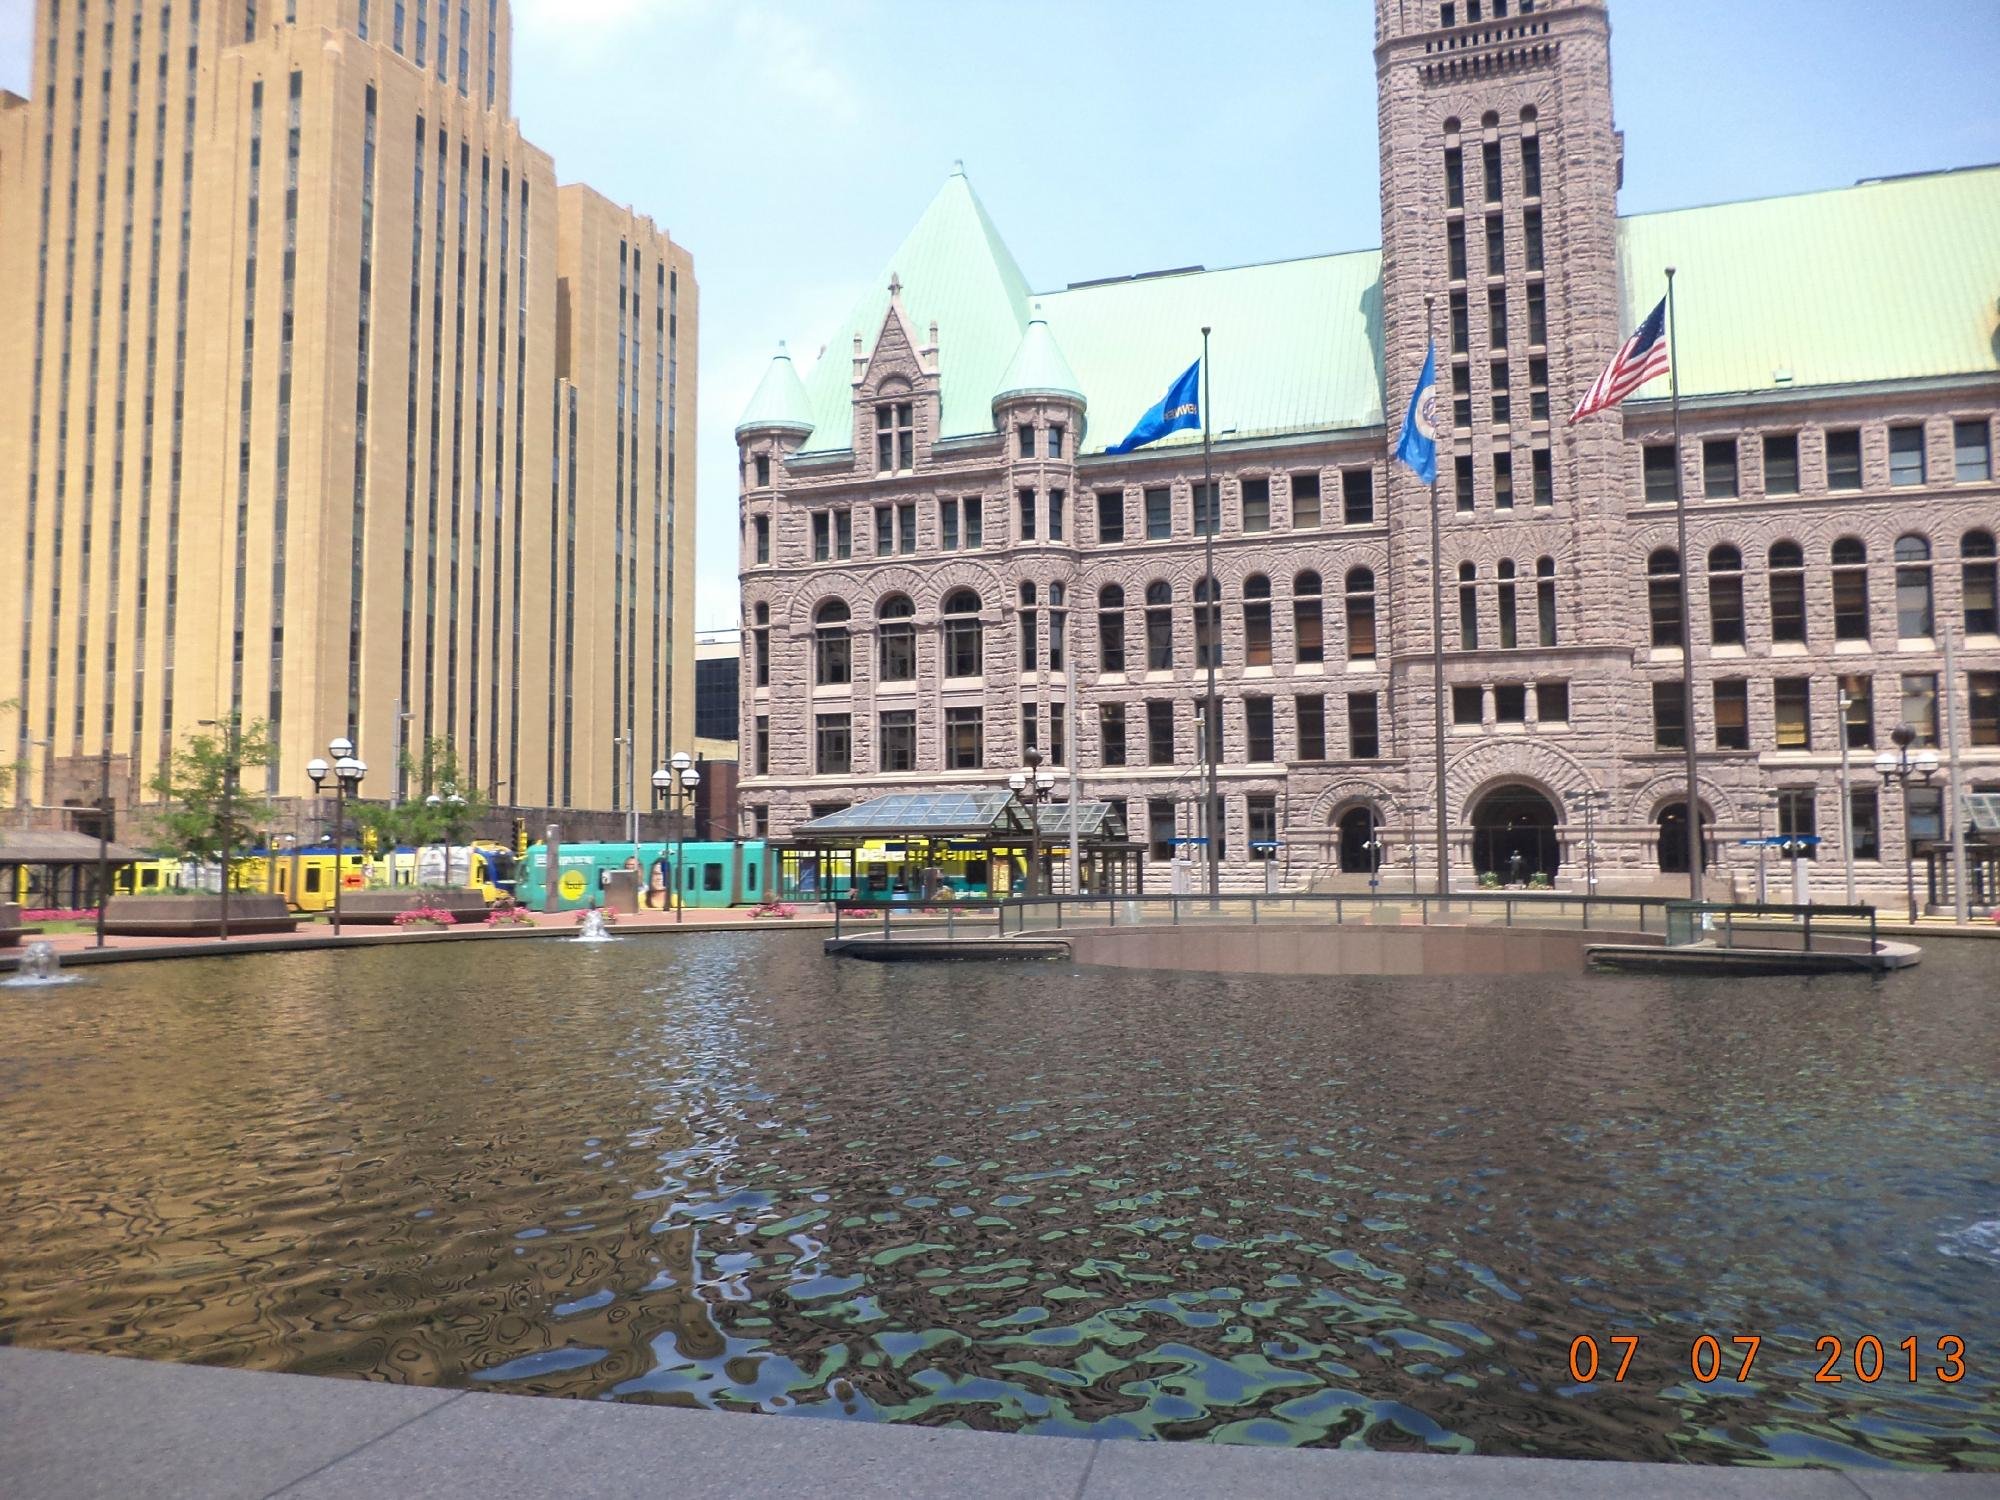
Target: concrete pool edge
{"x":79,"y":1425}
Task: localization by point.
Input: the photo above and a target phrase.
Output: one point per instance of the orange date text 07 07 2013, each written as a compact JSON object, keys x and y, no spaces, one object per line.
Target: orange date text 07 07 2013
{"x":1711,"y":1358}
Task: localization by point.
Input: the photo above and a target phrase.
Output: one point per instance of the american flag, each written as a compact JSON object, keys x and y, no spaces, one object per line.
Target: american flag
{"x":1643,"y":358}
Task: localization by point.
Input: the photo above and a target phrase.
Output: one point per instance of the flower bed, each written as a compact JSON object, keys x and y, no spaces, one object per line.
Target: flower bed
{"x":509,"y":916}
{"x":776,"y":911}
{"x":610,"y":917}
{"x":426,"y":917}
{"x":60,"y":914}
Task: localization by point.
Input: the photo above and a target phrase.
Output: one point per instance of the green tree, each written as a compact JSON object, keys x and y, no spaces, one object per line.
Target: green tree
{"x":443,"y":806}
{"x":205,"y":814}
{"x":10,"y":771}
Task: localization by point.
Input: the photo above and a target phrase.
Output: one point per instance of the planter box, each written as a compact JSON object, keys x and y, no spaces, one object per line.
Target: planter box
{"x":381,"y":908}
{"x":198,"y":915}
{"x":10,"y":925}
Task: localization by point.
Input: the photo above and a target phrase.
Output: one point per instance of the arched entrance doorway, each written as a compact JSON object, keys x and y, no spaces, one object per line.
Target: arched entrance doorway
{"x":1673,"y":826}
{"x":1356,"y":826}
{"x":1514,"y":834}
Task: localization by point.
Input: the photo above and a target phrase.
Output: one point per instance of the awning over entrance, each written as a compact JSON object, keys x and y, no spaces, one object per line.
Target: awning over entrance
{"x":971,"y":843}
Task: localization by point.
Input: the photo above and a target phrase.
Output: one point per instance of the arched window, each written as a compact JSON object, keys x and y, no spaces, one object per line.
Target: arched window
{"x":1111,"y":628}
{"x":1509,"y":620}
{"x":1913,"y":588}
{"x":964,"y":640}
{"x":1468,"y":606}
{"x":1982,"y":588}
{"x":1663,"y":596}
{"x":1030,"y":629}
{"x":1207,"y":623}
{"x":1257,"y":621}
{"x":1308,"y":628}
{"x":1725,"y":596}
{"x":1159,"y":626}
{"x":833,"y":659}
{"x":1850,"y":589}
{"x":896,"y":639}
{"x":1545,"y":600}
{"x":1360,"y":614}
{"x":1788,"y":592}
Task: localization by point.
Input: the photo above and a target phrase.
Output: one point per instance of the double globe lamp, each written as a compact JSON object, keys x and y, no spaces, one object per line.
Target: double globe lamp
{"x":675,"y":783}
{"x":347,"y":772}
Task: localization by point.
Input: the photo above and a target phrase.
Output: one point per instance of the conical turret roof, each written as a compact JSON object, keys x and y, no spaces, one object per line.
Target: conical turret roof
{"x":780,"y":403}
{"x":1038,"y":367}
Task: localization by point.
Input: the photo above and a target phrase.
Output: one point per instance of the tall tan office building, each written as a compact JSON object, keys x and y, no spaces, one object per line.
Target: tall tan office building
{"x":329,"y":406}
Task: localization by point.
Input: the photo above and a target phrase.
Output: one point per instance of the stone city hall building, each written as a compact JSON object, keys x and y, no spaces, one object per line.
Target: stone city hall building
{"x":937,"y":550}
{"x":325,"y":404}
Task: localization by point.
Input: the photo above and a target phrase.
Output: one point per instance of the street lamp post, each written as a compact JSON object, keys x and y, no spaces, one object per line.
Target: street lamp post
{"x":1589,"y":799}
{"x":676,"y":782}
{"x":1031,"y":788}
{"x":1901,"y":767}
{"x":347,"y":774}
{"x":1374,"y":852}
{"x":1846,"y":801}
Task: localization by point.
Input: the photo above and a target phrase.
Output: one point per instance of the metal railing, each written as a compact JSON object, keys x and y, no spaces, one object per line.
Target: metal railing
{"x":1678,"y":923}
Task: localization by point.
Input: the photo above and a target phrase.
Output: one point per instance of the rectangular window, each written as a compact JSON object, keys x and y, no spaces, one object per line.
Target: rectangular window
{"x":1030,"y":725}
{"x":763,"y":470}
{"x":1055,"y":440}
{"x":1468,"y":705}
{"x":1857,"y":711}
{"x":763,"y":745}
{"x":1503,"y":481}
{"x":1972,"y":451}
{"x":885,"y":530}
{"x":1025,"y":506}
{"x":1024,"y":441}
{"x":1160,"y":829}
{"x":1732,"y":713}
{"x":975,"y":517}
{"x":1545,"y":478}
{"x":896,"y":741}
{"x":822,"y":535}
{"x":762,"y":527}
{"x":1864,"y":823}
{"x":1260,"y":730}
{"x":1111,"y":734}
{"x":964,"y":739}
{"x":1660,"y":462}
{"x":1461,"y":395}
{"x":1454,"y":176}
{"x":1364,"y":734}
{"x":1159,"y":732}
{"x":1159,"y":515}
{"x":1850,"y":604}
{"x":1531,"y":166}
{"x":1792,"y":705}
{"x":1305,"y":502}
{"x":1538,"y":318}
{"x":1491,"y":154}
{"x":1461,"y":324}
{"x":1788,"y":605}
{"x":1718,"y":468}
{"x":1357,"y":497}
{"x":1843,"y":459}
{"x":843,"y":535}
{"x":1462,"y":482}
{"x":1496,"y":245}
{"x":1982,"y":703}
{"x":1502,"y":402}
{"x":1906,"y":456}
{"x":833,"y":744}
{"x":1781,"y":463}
{"x":1256,"y":505}
{"x":1920,"y":706}
{"x":1058,"y":503}
{"x":948,"y":525}
{"x":1454,"y":234}
{"x":1496,"y":317}
{"x":1531,"y":230}
{"x":1111,"y":515}
{"x":1669,"y":716}
{"x":1312,"y":726}
{"x":1552,"y":702}
{"x":1510,"y":703}
{"x":906,"y":528}
{"x":1262,"y":810}
{"x":1207,"y":500}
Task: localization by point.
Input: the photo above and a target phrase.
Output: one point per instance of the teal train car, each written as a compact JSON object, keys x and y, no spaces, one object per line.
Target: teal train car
{"x":707,"y":874}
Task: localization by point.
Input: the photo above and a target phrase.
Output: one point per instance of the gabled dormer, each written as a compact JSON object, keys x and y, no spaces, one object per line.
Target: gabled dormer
{"x":896,"y":393}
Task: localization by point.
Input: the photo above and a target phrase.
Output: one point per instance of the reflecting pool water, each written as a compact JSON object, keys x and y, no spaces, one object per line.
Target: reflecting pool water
{"x":725,"y":1171}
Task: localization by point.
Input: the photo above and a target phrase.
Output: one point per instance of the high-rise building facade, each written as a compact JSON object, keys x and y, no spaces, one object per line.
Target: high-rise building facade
{"x":331,"y":408}
{"x":943,"y":566}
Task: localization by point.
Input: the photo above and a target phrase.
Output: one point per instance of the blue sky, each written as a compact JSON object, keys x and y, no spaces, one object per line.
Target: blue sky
{"x":789,"y":144}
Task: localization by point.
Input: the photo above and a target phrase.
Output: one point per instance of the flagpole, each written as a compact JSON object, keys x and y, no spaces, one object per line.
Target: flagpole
{"x":1211,"y":731}
{"x":1687,"y":629}
{"x":1437,"y":624}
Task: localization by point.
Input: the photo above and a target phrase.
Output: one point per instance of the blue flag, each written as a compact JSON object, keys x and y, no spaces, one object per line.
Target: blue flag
{"x":1180,"y":408}
{"x":1418,"y":449}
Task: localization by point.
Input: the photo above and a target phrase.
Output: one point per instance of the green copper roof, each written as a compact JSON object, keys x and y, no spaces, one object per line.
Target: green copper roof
{"x":1039,"y":368}
{"x":780,"y":400}
{"x":957,"y":272}
{"x":1890,"y":280}
{"x":1296,"y":347}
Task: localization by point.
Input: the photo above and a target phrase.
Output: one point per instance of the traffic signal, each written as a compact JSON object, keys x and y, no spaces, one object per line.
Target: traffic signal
{"x":520,"y":837}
